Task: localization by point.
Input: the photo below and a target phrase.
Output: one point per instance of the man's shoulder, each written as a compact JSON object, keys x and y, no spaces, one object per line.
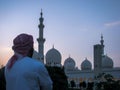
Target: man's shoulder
{"x":34,"y":61}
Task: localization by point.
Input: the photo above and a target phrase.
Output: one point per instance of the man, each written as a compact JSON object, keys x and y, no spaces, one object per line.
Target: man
{"x":22,"y":72}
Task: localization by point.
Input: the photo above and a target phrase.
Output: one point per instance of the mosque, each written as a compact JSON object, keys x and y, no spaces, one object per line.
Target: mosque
{"x":102,"y":63}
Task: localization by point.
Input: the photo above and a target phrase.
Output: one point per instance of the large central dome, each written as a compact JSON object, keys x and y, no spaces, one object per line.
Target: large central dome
{"x":53,"y":57}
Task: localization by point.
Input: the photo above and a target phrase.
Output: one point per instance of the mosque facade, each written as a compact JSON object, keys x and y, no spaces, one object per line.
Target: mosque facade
{"x":102,"y":62}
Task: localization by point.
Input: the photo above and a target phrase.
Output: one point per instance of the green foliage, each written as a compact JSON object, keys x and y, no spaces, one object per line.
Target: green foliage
{"x":109,"y":83}
{"x":58,"y":77}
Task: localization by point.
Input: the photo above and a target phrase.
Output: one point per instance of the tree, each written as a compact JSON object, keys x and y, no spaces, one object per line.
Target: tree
{"x":108,"y":83}
{"x":58,"y":77}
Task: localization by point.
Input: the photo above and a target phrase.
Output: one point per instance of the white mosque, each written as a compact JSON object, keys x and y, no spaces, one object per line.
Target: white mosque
{"x":102,"y":63}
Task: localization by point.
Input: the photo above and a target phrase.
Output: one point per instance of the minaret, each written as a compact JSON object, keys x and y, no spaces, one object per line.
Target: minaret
{"x":97,"y":59}
{"x":102,"y":44}
{"x":41,"y":39}
{"x":98,"y":53}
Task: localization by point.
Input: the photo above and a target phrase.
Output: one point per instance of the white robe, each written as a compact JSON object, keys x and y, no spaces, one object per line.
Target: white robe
{"x":27,"y":74}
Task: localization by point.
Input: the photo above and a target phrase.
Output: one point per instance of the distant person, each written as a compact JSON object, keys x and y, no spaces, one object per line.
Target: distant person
{"x":22,"y":72}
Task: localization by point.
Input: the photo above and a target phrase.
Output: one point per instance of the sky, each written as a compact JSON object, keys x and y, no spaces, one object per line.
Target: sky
{"x":72,"y":26}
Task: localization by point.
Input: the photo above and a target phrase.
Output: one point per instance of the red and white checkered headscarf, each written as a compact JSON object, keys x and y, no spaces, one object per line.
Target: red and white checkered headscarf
{"x":22,"y":44}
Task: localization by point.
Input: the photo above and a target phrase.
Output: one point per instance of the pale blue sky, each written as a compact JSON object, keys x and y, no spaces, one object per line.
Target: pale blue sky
{"x":73,"y":26}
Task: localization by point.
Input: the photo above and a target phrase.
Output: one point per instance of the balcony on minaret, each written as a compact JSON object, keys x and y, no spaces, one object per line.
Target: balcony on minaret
{"x":41,"y":25}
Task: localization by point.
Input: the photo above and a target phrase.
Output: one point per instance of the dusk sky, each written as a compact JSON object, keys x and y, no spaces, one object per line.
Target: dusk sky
{"x":72,"y":26}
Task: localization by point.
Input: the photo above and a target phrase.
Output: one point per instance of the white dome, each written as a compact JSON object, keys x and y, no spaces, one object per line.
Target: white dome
{"x":69,"y":64}
{"x":107,"y":62}
{"x":53,"y":57}
{"x":86,"y":65}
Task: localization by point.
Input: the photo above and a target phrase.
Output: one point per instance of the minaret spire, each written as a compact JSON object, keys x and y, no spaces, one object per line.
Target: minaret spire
{"x":102,"y":44}
{"x":41,"y":39}
{"x":41,"y":13}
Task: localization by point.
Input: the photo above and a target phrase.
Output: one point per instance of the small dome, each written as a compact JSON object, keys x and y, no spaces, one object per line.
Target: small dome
{"x":86,"y":65}
{"x":107,"y":62}
{"x":53,"y":57}
{"x":69,"y":64}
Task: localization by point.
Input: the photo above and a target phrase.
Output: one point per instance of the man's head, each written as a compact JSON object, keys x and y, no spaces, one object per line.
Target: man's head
{"x":23,"y":44}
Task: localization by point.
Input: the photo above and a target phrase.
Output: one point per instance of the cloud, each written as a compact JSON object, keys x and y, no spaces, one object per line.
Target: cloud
{"x":112,"y":24}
